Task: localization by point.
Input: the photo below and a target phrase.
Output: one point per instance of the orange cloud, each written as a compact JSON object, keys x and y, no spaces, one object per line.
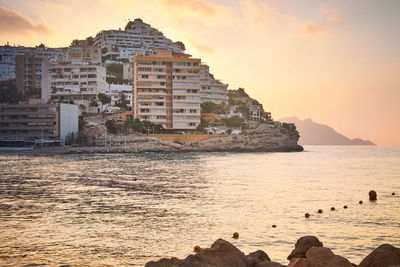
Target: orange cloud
{"x":330,"y":15}
{"x":199,"y":6}
{"x":13,"y":22}
{"x":258,"y":14}
{"x":311,"y":28}
{"x":200,"y":47}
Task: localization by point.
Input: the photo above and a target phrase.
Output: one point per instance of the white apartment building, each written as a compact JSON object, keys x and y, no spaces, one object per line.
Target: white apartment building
{"x":74,"y":82}
{"x":115,"y":91}
{"x":141,"y":39}
{"x":166,"y":90}
{"x":212,"y":90}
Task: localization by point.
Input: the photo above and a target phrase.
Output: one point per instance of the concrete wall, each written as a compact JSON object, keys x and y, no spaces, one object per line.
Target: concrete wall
{"x":188,"y":138}
{"x":68,"y":120}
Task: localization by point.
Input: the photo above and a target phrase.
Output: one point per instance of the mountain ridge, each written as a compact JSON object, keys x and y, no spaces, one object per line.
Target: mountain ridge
{"x":313,"y":133}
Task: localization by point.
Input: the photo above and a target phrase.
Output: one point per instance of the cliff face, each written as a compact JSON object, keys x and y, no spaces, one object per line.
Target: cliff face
{"x":264,"y":138}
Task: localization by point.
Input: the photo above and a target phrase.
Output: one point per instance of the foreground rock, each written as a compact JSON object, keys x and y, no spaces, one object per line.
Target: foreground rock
{"x":308,"y":252}
{"x":384,"y":256}
{"x":221,"y":254}
{"x":302,"y":245}
{"x":320,"y":257}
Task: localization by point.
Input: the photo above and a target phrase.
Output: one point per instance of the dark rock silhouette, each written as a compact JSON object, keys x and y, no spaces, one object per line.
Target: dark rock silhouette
{"x":302,"y":245}
{"x":372,"y":195}
{"x":383,"y":256}
{"x":320,"y":257}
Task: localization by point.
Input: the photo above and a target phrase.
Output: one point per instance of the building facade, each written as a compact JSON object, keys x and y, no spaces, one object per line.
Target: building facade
{"x":28,"y":71}
{"x":36,"y":121}
{"x":212,"y":90}
{"x":166,"y":90}
{"x":115,"y":92}
{"x":138,"y":39}
{"x":7,"y":60}
{"x":78,"y":83}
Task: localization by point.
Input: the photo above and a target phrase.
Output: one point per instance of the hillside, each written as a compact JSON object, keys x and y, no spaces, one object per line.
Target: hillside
{"x":312,"y":133}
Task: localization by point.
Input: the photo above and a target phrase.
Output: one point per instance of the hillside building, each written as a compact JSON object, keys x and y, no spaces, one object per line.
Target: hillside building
{"x":212,"y":90}
{"x":138,"y":38}
{"x":166,"y":90}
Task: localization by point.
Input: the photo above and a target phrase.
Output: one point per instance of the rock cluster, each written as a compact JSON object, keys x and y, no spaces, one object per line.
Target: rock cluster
{"x":308,"y":252}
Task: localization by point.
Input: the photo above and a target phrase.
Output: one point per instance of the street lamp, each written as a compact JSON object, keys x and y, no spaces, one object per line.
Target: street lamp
{"x":41,"y":140}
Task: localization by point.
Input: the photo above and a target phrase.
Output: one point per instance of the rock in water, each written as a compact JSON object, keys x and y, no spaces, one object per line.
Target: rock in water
{"x":221,"y":253}
{"x":302,"y":245}
{"x":384,"y":255}
{"x":320,"y":257}
{"x":372,"y":195}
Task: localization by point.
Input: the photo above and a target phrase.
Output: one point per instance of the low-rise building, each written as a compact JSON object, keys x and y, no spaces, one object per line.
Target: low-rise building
{"x":119,"y":93}
{"x":212,"y":90}
{"x":29,"y":122}
{"x":166,"y":90}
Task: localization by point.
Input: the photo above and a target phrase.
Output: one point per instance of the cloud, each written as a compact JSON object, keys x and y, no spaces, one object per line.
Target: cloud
{"x":311,"y":28}
{"x":330,"y":15}
{"x":200,"y":47}
{"x":198,"y":6}
{"x":258,"y":14}
{"x":13,"y":22}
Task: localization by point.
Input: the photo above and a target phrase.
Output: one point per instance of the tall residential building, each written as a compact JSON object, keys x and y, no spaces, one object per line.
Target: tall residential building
{"x":166,"y":89}
{"x":75,"y":82}
{"x":7,"y":60}
{"x":81,"y":51}
{"x":212,"y":90}
{"x":28,"y":71}
{"x":137,"y":38}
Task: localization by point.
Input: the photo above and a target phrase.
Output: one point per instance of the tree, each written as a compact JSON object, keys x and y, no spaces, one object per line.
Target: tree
{"x":111,"y":126}
{"x":182,"y":45}
{"x":234,"y":122}
{"x":10,"y":95}
{"x":32,"y":92}
{"x":104,"y":99}
{"x":89,"y":40}
{"x":94,"y":103}
{"x":244,"y":110}
{"x":122,"y":103}
{"x":41,"y":45}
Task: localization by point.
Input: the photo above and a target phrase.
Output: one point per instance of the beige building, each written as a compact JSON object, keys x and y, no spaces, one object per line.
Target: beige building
{"x":212,"y":90}
{"x":166,"y":89}
{"x":28,"y":71}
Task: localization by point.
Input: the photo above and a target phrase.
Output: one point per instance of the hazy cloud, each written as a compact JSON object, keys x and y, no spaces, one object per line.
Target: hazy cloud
{"x":200,"y":47}
{"x":258,"y":14}
{"x":198,"y":6}
{"x":330,"y":15}
{"x":14,"y":22}
{"x":311,"y":28}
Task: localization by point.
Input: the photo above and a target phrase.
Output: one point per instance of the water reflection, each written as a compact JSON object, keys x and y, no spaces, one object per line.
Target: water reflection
{"x":129,"y":209}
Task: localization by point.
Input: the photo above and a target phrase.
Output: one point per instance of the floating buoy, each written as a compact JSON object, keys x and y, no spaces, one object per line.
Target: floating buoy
{"x":345,"y":207}
{"x":235,"y":235}
{"x":273,"y":226}
{"x":393,"y":193}
{"x":360,"y":202}
{"x":307,"y":215}
{"x":333,"y":208}
{"x":319,"y":211}
{"x":196,"y":249}
{"x":372,"y":195}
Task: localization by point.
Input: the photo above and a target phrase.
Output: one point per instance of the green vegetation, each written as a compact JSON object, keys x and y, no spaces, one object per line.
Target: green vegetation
{"x":115,"y":69}
{"x":210,"y":107}
{"x":136,"y":125}
{"x":234,"y":122}
{"x":104,"y":99}
{"x":12,"y":96}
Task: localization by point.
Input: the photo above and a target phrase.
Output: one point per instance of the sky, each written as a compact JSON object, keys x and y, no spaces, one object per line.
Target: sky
{"x":336,"y":62}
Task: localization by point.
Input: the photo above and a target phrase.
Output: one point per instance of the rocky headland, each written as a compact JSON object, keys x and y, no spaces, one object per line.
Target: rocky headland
{"x":262,"y":139}
{"x":308,"y":252}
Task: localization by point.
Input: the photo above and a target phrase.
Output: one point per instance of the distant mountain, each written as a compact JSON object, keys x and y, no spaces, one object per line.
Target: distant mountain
{"x":312,"y":133}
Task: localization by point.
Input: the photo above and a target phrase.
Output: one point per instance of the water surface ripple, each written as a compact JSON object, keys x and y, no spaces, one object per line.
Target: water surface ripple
{"x":121,"y":209}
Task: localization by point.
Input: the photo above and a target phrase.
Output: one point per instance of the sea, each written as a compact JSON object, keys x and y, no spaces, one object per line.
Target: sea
{"x":128,"y":209}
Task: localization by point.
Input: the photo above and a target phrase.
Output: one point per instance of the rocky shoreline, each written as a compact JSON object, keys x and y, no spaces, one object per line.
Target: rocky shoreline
{"x":262,"y":139}
{"x":308,"y":252}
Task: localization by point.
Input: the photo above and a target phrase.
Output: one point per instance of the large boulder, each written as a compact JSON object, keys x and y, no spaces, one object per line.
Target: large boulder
{"x":221,"y":254}
{"x":320,"y":257}
{"x":383,"y":256}
{"x":302,"y":245}
{"x":260,"y":259}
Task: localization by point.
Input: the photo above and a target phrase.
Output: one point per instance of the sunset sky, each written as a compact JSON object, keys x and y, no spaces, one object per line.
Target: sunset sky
{"x":336,"y":62}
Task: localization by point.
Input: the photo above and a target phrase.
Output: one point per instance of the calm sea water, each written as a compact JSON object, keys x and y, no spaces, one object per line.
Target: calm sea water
{"x":129,"y":209}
